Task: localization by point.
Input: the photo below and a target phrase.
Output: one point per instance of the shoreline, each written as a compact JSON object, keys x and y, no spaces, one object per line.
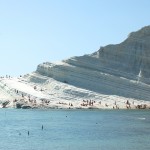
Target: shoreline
{"x":73,"y":108}
{"x":47,"y":104}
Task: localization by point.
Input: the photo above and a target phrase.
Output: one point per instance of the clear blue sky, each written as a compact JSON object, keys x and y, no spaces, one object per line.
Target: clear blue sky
{"x":36,"y":31}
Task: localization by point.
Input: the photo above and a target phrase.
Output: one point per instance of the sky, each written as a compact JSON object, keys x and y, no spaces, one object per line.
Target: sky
{"x":37,"y":31}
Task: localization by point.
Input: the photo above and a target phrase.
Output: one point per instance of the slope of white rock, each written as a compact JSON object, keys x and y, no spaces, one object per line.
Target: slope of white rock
{"x":122,"y":69}
{"x":107,"y":78}
{"x":54,"y":94}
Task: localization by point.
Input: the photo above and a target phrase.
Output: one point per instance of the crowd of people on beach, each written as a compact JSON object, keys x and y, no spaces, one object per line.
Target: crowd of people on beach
{"x":28,"y":100}
{"x":88,"y":103}
{"x":25,"y":99}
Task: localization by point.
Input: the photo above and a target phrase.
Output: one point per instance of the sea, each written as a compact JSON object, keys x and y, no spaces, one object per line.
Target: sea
{"x":74,"y":129}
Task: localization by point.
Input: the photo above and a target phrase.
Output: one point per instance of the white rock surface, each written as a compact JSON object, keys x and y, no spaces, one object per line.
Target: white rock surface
{"x":114,"y":74}
{"x":122,"y":69}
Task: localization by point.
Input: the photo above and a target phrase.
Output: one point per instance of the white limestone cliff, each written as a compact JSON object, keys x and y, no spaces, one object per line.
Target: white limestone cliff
{"x":122,"y":69}
{"x":113,"y":74}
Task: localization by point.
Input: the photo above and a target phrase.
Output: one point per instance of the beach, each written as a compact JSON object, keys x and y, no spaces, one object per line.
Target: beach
{"x":19,"y":93}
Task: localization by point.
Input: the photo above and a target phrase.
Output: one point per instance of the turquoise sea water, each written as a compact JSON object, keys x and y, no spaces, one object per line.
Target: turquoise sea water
{"x":74,"y":129}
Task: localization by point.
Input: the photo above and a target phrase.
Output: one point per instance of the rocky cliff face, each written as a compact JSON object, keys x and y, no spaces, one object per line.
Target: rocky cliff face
{"x":130,"y":56}
{"x":122,"y":69}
